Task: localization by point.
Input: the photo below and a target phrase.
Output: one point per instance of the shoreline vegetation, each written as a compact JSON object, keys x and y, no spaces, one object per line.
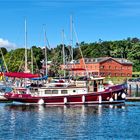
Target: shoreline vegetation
{"x":127,"y":48}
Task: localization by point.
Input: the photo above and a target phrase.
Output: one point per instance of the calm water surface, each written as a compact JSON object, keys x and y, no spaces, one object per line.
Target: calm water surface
{"x":36,"y":122}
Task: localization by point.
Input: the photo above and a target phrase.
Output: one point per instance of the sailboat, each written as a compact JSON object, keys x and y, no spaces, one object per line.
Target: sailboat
{"x":26,"y":73}
{"x":71,"y":92}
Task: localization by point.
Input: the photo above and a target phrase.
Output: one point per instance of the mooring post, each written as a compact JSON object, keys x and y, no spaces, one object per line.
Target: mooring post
{"x":137,"y":89}
{"x":130,"y":90}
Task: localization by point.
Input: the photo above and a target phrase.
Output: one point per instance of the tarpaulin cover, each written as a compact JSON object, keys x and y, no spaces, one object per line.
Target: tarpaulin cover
{"x":40,"y":78}
{"x":21,"y":75}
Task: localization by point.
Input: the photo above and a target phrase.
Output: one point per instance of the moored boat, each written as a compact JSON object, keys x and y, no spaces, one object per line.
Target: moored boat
{"x":91,"y":91}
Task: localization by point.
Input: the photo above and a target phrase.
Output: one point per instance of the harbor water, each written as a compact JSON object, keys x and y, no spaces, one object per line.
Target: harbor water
{"x":97,"y":122}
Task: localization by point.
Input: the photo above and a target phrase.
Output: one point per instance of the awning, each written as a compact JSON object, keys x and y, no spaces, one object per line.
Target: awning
{"x":21,"y":75}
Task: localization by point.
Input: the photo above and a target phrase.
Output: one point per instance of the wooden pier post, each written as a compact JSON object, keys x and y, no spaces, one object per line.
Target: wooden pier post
{"x":137,"y":90}
{"x":129,"y":88}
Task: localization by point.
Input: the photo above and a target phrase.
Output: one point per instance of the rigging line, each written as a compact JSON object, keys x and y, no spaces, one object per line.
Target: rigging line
{"x":65,"y":37}
{"x":4,"y":59}
{"x":10,"y":57}
{"x":80,"y":49}
{"x":47,"y":41}
{"x":36,"y":63}
{"x":21,"y":63}
{"x":35,"y":60}
{"x":68,"y":47}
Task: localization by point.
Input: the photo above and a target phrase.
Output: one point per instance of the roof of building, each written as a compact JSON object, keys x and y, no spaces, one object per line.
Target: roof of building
{"x":103,"y":59}
{"x":100,"y":60}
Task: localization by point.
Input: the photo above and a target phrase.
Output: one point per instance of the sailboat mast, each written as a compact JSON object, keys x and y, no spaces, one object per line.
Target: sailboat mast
{"x":45,"y":40}
{"x":25,"y":46}
{"x":32,"y":68}
{"x":71,"y":36}
{"x":64,"y":63}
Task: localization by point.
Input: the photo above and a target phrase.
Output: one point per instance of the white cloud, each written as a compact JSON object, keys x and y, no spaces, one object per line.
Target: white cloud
{"x":7,"y":44}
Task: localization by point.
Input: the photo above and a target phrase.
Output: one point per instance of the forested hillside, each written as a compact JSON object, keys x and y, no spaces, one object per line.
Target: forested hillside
{"x":128,"y":48}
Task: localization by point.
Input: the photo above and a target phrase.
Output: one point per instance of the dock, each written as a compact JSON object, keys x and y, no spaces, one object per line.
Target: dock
{"x":132,"y":99}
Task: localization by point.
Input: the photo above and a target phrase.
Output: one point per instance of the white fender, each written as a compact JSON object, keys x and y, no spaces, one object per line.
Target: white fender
{"x":83,"y":99}
{"x":123,"y":95}
{"x":65,"y":100}
{"x":116,"y":96}
{"x":41,"y":101}
{"x":111,"y":99}
{"x":100,"y":99}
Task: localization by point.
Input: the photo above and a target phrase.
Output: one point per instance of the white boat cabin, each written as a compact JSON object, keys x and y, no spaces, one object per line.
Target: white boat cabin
{"x":73,"y":88}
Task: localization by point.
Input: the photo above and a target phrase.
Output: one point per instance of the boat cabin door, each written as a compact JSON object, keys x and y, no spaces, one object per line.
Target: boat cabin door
{"x":94,"y":85}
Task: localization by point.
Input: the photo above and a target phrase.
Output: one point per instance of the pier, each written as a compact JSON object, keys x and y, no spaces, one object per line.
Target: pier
{"x":133,"y":91}
{"x":132,"y":99}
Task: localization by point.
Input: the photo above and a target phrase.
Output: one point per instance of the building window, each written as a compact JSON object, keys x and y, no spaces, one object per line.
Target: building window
{"x":109,"y":67}
{"x":128,"y":67}
{"x":109,"y":74}
{"x":115,"y":74}
{"x":128,"y":74}
{"x":121,"y":74}
{"x":122,"y":67}
{"x":89,"y":60}
{"x":115,"y":67}
{"x":101,"y":67}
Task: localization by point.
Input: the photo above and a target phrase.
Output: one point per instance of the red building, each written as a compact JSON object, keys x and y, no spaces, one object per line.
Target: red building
{"x":103,"y":66}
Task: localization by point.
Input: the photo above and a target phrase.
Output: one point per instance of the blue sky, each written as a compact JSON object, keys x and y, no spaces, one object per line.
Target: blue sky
{"x":93,"y":20}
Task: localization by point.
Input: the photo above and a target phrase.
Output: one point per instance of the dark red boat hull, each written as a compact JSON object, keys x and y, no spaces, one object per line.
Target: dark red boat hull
{"x":89,"y":98}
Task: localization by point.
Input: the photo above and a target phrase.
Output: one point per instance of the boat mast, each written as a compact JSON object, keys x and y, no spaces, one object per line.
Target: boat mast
{"x":64,"y":63}
{"x":25,"y":46}
{"x":32,"y":68}
{"x":45,"y":41}
{"x":71,"y":37}
{"x":77,"y":40}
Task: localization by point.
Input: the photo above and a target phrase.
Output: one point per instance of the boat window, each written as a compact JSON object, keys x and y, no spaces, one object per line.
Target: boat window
{"x":64,"y":91}
{"x":48,"y":92}
{"x":54,"y":91}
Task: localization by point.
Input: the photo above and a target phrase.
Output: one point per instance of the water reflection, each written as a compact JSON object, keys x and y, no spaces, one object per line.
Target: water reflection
{"x":65,"y":122}
{"x":70,"y":110}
